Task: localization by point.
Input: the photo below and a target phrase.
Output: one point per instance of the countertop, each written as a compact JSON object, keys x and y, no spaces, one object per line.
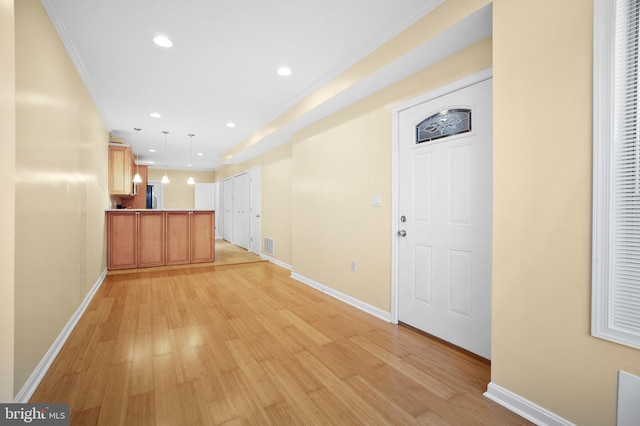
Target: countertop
{"x":159,"y":210}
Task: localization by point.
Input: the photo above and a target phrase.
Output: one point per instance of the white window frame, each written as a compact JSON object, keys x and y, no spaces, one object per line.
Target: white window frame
{"x":603,"y":302}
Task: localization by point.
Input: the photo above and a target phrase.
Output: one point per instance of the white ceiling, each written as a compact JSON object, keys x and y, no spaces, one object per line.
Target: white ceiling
{"x":222,"y":66}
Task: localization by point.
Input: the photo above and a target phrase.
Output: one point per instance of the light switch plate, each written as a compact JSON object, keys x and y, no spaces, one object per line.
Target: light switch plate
{"x":376,"y":200}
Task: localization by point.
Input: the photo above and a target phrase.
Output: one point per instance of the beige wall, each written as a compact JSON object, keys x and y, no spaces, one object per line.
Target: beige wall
{"x":338,"y":165}
{"x":7,"y":195}
{"x":542,"y":349}
{"x":178,"y":194}
{"x":276,"y":197}
{"x":61,"y":189}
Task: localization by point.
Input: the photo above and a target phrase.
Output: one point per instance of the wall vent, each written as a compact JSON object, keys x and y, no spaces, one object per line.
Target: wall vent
{"x":268,"y":246}
{"x":628,"y":399}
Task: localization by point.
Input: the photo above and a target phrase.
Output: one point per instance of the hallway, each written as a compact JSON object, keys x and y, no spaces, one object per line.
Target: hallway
{"x":246,"y":344}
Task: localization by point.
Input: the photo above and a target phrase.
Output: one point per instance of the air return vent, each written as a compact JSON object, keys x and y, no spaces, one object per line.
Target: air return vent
{"x":268,"y":246}
{"x":628,"y":399}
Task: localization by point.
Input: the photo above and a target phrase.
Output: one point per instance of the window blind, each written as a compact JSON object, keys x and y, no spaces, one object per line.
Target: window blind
{"x":625,"y":291}
{"x":616,"y":212}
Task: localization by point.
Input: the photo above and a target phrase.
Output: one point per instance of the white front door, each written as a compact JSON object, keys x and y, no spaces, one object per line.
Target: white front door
{"x":445,"y":198}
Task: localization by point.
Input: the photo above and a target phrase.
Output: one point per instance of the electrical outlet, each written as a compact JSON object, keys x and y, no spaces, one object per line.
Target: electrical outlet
{"x":353,"y":265}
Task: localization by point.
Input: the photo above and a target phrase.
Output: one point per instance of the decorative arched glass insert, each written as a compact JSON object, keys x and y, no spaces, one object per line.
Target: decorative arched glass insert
{"x":445,"y":123}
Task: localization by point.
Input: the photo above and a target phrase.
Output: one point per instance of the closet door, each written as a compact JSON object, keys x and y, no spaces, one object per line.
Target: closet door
{"x":241,"y":213}
{"x":227,"y":209}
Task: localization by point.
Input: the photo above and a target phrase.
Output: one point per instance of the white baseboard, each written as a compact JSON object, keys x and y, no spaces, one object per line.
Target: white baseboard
{"x":277,"y":262}
{"x":523,"y":407}
{"x":376,"y":312}
{"x":38,"y":374}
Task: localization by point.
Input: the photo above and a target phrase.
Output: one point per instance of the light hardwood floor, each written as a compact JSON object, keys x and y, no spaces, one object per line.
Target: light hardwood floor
{"x":246,"y":344}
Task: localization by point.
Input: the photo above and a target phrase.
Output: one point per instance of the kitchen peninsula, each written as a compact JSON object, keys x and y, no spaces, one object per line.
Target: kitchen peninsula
{"x":140,"y":238}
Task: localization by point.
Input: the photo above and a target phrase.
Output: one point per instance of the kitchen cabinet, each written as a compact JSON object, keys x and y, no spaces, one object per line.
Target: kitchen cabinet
{"x":135,"y":239}
{"x":190,"y":237}
{"x":202,"y":236}
{"x":121,"y":172}
{"x":145,"y":238}
{"x":151,"y":238}
{"x":178,"y":237}
{"x":122,"y":240}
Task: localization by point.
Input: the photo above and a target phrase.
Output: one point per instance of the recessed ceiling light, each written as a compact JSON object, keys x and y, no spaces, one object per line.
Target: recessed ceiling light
{"x":230,"y":124}
{"x":155,"y":115}
{"x":162,"y":41}
{"x":150,"y":162}
{"x":188,"y":165}
{"x":284,"y":71}
{"x":152,"y":150}
{"x":200,"y":154}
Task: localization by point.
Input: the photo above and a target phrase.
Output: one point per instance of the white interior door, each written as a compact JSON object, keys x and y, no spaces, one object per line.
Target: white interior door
{"x":216,"y":207}
{"x":204,"y":196}
{"x":227,"y":209}
{"x":256,"y":208}
{"x":241,"y":214}
{"x":445,"y":199}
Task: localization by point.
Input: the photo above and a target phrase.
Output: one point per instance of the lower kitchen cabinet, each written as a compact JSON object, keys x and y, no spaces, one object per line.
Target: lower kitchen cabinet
{"x":145,"y":238}
{"x":190,"y":237}
{"x":202,"y":236}
{"x":151,"y":238}
{"x":122,"y":240}
{"x":178,"y":238}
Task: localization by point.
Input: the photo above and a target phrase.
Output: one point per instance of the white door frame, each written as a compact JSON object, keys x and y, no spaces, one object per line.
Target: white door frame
{"x":395,"y":144}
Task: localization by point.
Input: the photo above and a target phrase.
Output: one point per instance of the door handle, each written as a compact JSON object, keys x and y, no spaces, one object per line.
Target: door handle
{"x":402,"y":233}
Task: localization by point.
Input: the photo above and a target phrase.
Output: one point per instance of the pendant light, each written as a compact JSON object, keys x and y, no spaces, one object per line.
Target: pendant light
{"x":137,"y":178}
{"x":191,"y":180}
{"x":165,"y":178}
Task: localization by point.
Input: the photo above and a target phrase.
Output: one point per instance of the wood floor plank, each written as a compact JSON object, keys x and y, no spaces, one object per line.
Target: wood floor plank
{"x":358,"y":405}
{"x":115,"y":402}
{"x":166,"y":394}
{"x":195,"y":408}
{"x":253,"y":374}
{"x":392,"y":413}
{"x":432,"y":384}
{"x":142,"y":380}
{"x":295,"y":389}
{"x":221,"y":408}
{"x":141,"y":411}
{"x":305,"y":327}
{"x":246,"y":344}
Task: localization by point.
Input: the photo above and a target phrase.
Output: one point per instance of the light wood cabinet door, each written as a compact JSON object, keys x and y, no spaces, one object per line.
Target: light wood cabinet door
{"x":122,"y":245}
{"x":202,"y":236}
{"x":177,"y":238}
{"x":120,"y":170}
{"x":151,"y":238}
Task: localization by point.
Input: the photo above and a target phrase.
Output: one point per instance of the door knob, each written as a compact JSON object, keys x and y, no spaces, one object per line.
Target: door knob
{"x":402,"y":233}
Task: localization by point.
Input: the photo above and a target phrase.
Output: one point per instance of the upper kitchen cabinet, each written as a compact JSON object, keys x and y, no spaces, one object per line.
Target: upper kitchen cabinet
{"x":121,"y":167}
